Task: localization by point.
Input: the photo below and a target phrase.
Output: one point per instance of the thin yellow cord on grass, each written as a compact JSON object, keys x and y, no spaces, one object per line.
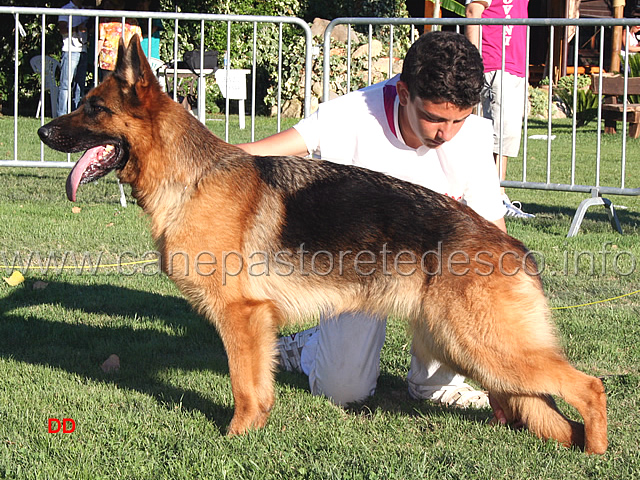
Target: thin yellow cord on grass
{"x":596,"y":302}
{"x":49,"y":267}
{"x":138,"y":262}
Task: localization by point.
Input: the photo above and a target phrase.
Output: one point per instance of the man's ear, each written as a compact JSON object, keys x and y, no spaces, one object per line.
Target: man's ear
{"x":403,"y":93}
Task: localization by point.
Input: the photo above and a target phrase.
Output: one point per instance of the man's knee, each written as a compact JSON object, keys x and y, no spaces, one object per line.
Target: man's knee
{"x":343,"y":391}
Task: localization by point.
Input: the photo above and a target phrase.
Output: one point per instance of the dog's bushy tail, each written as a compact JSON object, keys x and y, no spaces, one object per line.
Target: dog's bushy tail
{"x":518,"y":358}
{"x":542,"y":417}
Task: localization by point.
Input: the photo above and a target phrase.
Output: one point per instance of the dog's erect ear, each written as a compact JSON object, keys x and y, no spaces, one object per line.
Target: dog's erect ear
{"x":132,"y":66}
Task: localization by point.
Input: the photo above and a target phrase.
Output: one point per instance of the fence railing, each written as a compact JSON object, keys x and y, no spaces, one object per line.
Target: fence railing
{"x":577,"y":165}
{"x":50,"y":16}
{"x":580,"y":165}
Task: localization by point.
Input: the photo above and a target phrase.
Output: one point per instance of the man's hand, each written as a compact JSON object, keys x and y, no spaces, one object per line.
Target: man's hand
{"x":500,"y":418}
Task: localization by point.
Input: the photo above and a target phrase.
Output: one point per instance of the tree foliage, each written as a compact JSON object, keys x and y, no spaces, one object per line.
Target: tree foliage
{"x":189,"y":37}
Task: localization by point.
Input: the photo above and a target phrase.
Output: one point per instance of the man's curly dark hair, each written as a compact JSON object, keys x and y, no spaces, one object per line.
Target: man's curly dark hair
{"x":444,"y":66}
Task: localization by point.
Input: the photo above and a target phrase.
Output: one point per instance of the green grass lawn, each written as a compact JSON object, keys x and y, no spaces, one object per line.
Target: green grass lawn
{"x":164,"y":413}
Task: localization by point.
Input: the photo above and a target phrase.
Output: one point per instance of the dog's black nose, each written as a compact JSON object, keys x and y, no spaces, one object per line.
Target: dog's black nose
{"x":44,"y":132}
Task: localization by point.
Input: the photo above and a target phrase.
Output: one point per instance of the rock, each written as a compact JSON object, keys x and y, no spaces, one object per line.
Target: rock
{"x":292,"y":108}
{"x":313,"y":104}
{"x":316,"y":89}
{"x":363,"y":50}
{"x":339,"y":32}
{"x":382,"y":65}
{"x":111,"y":364}
{"x":318,"y":27}
{"x":40,"y":285}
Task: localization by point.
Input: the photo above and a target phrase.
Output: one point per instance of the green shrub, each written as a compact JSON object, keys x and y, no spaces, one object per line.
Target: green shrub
{"x":29,"y":45}
{"x":538,"y":102}
{"x":215,"y":37}
{"x":292,"y":86}
{"x":293,"y":41}
{"x":586,"y":108}
{"x":634,"y":71}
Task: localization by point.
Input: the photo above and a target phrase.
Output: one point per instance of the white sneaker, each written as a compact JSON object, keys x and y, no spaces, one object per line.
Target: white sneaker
{"x":514,"y":209}
{"x":459,"y":396}
{"x":290,"y":349}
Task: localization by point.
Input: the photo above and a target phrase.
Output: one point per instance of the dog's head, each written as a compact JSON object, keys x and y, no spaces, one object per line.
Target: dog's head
{"x":108,"y":118}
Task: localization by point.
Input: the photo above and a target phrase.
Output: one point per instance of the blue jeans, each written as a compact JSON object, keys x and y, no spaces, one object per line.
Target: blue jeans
{"x":77,"y":81}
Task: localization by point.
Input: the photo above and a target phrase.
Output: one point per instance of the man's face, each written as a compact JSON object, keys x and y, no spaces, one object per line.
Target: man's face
{"x":429,"y":123}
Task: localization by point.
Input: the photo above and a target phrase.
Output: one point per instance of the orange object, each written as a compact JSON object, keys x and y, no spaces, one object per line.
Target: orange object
{"x":581,"y":70}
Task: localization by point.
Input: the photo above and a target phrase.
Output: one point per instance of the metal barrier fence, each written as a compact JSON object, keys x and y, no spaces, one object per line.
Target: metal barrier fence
{"x":50,"y":15}
{"x":579,"y":164}
{"x":596,"y":189}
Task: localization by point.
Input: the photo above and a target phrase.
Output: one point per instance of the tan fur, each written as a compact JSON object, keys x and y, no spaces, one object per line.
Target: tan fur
{"x":494,"y":327}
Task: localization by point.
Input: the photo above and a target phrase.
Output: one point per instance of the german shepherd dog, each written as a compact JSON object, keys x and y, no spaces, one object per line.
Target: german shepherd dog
{"x":256,"y":242}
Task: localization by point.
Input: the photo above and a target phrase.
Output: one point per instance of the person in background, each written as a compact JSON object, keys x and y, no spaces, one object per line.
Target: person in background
{"x":156,"y":27}
{"x":634,"y":44}
{"x":73,"y":74}
{"x":506,"y":89}
{"x":418,"y":127}
{"x":110,"y":31}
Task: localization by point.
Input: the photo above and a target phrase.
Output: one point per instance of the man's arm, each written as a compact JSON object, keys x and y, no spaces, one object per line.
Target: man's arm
{"x":290,"y":142}
{"x":474,"y":10}
{"x":287,"y":142}
{"x":500,"y":224}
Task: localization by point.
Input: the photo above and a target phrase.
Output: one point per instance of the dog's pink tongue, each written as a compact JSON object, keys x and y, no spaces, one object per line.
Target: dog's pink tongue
{"x":74,"y":178}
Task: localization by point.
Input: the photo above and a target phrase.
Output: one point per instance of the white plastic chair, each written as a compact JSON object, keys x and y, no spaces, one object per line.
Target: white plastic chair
{"x":51,"y":69}
{"x":158,"y":68}
{"x":236,"y":88}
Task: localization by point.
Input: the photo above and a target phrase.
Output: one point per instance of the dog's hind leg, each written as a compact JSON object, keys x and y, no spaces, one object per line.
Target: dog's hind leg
{"x":542,"y":417}
{"x":587,"y":395}
{"x":583,"y":392}
{"x":497,"y":331}
{"x":248,"y":331}
{"x":528,"y":367}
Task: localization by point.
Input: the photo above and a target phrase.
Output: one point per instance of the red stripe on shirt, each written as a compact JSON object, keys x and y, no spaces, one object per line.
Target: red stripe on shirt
{"x":389,"y":95}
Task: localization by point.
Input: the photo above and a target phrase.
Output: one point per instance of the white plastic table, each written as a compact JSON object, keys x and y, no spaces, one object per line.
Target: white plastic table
{"x":235,"y":88}
{"x":169,"y":72}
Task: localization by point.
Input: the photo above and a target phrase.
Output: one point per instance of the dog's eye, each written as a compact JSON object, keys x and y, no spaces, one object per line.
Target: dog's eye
{"x":95,"y":109}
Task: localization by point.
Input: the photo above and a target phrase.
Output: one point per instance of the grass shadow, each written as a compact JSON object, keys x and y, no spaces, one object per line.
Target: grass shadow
{"x":392,"y":395}
{"x":186,"y":343}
